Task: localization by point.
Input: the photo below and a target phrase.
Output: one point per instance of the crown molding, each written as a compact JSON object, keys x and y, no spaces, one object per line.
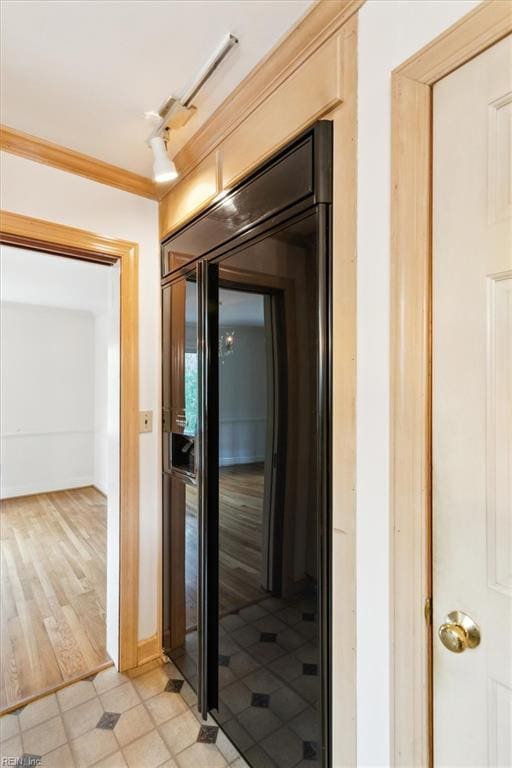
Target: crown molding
{"x":299,"y":43}
{"x":42,"y":151}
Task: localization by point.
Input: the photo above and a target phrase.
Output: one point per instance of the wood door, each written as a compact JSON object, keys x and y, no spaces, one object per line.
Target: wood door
{"x":472,"y":410}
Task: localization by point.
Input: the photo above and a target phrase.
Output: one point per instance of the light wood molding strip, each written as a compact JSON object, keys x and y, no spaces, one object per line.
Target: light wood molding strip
{"x":488,"y":23}
{"x":410,"y":367}
{"x":57,"y":238}
{"x":47,"y":691}
{"x":129,"y":463}
{"x":322,"y":21}
{"x":149,"y":649}
{"x":410,"y":430}
{"x":26,"y":229}
{"x":42,"y":151}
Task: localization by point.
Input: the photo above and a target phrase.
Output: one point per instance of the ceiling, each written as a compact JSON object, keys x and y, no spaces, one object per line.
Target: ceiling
{"x":28,"y":277}
{"x":82,"y":74}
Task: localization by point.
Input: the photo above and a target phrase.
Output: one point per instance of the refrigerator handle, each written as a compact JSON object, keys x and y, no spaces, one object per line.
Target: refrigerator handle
{"x":208,"y":481}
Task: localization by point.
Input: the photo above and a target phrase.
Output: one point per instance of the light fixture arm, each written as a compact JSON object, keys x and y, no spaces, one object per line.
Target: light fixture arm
{"x":209,"y":68}
{"x":176,"y":112}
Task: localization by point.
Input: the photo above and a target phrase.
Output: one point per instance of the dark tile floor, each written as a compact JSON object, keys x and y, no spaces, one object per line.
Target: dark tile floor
{"x":269,"y":682}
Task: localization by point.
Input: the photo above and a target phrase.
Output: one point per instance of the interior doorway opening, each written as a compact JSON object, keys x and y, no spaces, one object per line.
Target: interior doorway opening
{"x":60,"y":393}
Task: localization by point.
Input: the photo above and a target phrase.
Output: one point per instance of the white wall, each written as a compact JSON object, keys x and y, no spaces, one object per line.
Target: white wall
{"x":47,"y":394}
{"x":29,"y":282}
{"x":242,"y":398}
{"x":389,"y":32}
{"x":47,"y":193}
{"x":107,"y":397}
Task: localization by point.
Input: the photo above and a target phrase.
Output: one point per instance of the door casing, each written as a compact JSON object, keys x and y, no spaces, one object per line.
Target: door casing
{"x":410,"y":365}
{"x":274,"y":295}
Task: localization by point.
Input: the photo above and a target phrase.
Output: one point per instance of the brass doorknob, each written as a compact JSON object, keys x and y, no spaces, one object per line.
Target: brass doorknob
{"x":459,"y":632}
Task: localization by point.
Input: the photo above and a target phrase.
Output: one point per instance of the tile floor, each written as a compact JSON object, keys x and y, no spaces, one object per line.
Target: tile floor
{"x":269,"y":681}
{"x":146,"y":719}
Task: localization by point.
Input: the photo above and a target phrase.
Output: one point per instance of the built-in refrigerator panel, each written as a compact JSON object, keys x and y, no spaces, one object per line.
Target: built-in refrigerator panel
{"x":268,"y":490}
{"x":181,"y":496}
{"x":246,"y":457}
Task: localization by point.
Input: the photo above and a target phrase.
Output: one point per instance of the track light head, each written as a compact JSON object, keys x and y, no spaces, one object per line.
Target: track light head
{"x":163,"y":167}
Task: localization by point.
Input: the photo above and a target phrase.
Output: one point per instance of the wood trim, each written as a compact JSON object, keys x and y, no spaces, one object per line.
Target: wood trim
{"x":64,"y":684}
{"x":410,"y":363}
{"x":45,"y":152}
{"x":344,"y":357}
{"x":488,"y":23}
{"x":37,"y":234}
{"x":410,"y":449}
{"x":290,"y":53}
{"x":28,"y":232}
{"x":149,"y":649}
{"x":129,"y":464}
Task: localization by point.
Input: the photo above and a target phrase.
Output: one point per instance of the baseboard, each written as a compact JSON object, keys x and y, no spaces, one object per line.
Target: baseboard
{"x":67,"y":484}
{"x":148,"y":649}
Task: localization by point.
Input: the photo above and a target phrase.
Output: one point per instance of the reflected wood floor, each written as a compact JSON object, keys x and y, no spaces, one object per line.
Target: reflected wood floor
{"x":53,"y":590}
{"x":240,"y":538}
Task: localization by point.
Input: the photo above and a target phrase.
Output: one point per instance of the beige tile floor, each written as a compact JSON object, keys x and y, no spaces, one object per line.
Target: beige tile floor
{"x":145,"y":719}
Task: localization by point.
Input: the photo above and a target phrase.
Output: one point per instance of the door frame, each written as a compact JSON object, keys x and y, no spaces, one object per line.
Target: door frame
{"x":49,"y":237}
{"x":410,"y":365}
{"x":277,"y":291}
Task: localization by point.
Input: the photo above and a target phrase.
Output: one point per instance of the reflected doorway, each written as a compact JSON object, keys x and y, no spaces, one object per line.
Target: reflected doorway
{"x":248,"y":443}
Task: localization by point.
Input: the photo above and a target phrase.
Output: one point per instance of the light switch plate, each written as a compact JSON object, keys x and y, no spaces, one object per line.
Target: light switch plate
{"x":145,"y":421}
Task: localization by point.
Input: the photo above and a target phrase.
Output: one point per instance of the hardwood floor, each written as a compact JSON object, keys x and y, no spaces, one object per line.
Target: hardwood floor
{"x":53,"y":590}
{"x":240,"y":538}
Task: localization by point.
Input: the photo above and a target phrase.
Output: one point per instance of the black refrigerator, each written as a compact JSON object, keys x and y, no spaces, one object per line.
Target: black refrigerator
{"x":246,"y":332}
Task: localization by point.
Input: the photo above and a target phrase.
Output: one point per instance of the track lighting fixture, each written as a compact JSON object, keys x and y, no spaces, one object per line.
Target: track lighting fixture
{"x":163,"y":167}
{"x":175,"y":113}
